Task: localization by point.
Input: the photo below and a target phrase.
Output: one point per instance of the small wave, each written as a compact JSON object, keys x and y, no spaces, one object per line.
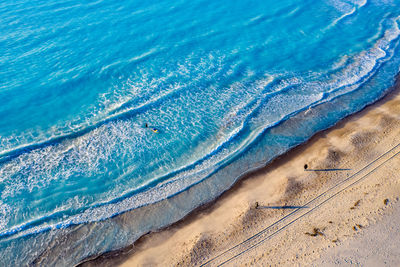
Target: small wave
{"x":356,"y":5}
{"x":254,"y":114}
{"x":366,"y":64}
{"x":115,"y":106}
{"x":161,"y":188}
{"x":134,"y":59}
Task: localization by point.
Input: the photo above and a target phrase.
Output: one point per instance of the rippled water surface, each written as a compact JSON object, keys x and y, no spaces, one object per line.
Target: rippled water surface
{"x":79,"y":80}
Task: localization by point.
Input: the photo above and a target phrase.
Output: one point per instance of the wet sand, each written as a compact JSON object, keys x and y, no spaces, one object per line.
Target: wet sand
{"x":285,"y":214}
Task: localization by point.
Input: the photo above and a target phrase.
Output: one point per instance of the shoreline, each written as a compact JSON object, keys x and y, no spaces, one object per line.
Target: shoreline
{"x":147,"y":241}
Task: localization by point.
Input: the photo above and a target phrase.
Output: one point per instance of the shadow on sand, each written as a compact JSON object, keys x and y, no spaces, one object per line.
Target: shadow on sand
{"x":326,"y":170}
{"x":281,"y":207}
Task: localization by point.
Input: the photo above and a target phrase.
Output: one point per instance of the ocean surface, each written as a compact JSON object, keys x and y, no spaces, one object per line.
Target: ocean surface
{"x":226,"y":85}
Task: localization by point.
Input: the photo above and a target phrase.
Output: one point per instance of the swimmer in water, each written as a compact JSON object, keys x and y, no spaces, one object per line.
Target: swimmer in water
{"x":154,"y":130}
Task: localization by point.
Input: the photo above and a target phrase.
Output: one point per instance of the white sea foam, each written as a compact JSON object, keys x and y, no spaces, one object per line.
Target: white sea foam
{"x":136,"y":92}
{"x":347,"y":8}
{"x":86,"y":154}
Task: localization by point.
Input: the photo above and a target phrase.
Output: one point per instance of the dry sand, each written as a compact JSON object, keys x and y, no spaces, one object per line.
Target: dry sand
{"x":284,"y":215}
{"x":378,"y":245}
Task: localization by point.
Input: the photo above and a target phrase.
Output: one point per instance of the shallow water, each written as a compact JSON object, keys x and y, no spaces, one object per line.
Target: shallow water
{"x":79,"y":81}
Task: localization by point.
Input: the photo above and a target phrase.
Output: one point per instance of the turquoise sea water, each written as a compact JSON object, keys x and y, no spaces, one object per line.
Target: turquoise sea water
{"x":228,"y":84}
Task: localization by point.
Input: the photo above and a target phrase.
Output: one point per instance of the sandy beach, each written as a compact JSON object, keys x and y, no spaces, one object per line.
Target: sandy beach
{"x":199,"y":133}
{"x":287,"y":215}
{"x":376,"y":246}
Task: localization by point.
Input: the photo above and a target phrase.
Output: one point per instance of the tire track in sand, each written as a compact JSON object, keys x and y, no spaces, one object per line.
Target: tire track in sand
{"x":291,"y":218}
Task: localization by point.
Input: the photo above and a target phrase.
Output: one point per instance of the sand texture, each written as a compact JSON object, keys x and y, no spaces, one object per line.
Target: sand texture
{"x":286,"y":215}
{"x":378,"y":245}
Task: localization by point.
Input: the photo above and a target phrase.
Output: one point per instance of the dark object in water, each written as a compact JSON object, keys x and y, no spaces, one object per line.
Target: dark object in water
{"x":154,"y":130}
{"x":305,"y":166}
